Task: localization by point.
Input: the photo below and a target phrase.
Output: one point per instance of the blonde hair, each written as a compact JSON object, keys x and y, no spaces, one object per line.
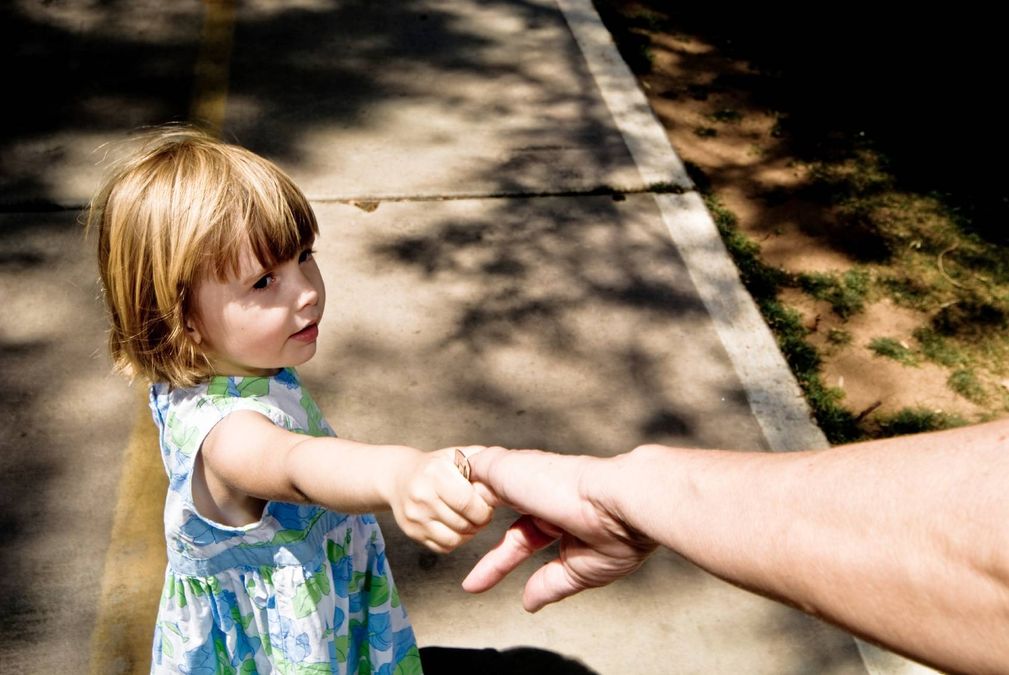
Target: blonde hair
{"x":184,"y":206}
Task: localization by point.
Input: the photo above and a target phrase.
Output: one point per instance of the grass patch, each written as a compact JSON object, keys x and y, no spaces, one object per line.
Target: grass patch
{"x":907,"y":291}
{"x":939,"y":349}
{"x":763,"y":282}
{"x":846,"y":292}
{"x":912,"y":237}
{"x":838,"y":424}
{"x":916,"y":421}
{"x":787,"y":326}
{"x":964,"y":382}
{"x":859,"y":175}
{"x":839,"y":337}
{"x":892,"y":349}
{"x":665,"y":187}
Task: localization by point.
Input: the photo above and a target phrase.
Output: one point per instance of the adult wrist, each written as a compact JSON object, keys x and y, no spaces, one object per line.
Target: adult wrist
{"x":638,"y":487}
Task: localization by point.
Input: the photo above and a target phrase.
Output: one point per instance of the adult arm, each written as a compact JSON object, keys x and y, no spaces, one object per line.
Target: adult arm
{"x":904,"y":541}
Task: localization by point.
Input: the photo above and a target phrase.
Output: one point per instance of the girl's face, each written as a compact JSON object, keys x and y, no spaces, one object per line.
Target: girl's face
{"x":261,"y":320}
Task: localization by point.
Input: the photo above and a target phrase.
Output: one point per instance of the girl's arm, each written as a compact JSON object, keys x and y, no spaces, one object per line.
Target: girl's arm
{"x":246,"y":455}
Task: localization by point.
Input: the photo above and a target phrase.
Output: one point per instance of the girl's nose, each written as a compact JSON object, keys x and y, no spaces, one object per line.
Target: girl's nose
{"x":308,"y":291}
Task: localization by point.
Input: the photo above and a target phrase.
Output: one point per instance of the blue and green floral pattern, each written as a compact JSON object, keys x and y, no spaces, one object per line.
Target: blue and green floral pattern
{"x":303,"y":590}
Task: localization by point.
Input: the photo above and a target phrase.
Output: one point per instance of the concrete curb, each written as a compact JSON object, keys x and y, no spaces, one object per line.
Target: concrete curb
{"x":773,"y":393}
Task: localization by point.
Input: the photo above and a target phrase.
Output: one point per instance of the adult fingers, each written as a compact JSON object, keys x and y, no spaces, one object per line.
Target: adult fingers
{"x":550,"y":583}
{"x":520,"y":541}
{"x":540,"y":483}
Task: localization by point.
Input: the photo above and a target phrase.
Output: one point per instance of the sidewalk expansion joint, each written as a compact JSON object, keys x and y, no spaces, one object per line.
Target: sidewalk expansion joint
{"x":370,"y":202}
{"x":598,"y":191}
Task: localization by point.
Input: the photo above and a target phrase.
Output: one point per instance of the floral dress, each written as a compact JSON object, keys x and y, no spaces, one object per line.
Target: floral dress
{"x":302,"y":590}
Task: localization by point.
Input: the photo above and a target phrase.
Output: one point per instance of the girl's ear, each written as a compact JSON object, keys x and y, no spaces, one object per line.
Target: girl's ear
{"x":193,"y":332}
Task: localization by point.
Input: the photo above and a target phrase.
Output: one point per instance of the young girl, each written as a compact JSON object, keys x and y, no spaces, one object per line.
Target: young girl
{"x":214,"y":294}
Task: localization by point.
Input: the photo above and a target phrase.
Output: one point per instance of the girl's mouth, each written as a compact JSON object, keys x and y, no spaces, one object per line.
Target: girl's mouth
{"x":307,"y":334}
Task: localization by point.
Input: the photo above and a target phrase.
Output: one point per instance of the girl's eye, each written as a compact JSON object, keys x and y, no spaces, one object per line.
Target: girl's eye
{"x":263,"y":283}
{"x":306,"y":255}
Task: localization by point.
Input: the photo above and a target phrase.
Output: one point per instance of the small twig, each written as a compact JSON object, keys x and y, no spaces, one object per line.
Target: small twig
{"x":861,"y":416}
{"x":942,"y":270}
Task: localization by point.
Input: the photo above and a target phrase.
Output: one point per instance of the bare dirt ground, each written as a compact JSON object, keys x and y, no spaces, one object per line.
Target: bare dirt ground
{"x":828,"y":152}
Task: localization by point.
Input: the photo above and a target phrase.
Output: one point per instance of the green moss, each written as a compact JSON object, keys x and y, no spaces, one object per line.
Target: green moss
{"x":846,"y":292}
{"x":839,"y":337}
{"x":837,"y":423}
{"x":939,"y":349}
{"x":916,"y":420}
{"x":965,"y":382}
{"x":892,"y":349}
{"x":908,"y":292}
{"x":760,"y":279}
{"x":763,"y":282}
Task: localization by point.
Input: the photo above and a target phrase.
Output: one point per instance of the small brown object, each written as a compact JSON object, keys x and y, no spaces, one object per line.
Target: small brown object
{"x":462,"y":463}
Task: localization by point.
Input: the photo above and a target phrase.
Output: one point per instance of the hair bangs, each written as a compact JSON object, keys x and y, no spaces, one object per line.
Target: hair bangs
{"x":270,"y":216}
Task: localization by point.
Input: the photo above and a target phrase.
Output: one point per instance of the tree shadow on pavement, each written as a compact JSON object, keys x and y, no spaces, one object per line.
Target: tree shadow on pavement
{"x":590,"y":290}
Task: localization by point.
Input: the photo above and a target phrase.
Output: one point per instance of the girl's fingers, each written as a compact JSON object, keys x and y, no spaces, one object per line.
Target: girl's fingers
{"x":441,"y":513}
{"x":465,"y":499}
{"x":441,"y":539}
{"x":476,"y":510}
{"x":521,"y":540}
{"x":451,"y":519}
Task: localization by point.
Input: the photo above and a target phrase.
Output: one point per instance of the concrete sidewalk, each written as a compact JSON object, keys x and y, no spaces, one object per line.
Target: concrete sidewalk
{"x":512,"y":256}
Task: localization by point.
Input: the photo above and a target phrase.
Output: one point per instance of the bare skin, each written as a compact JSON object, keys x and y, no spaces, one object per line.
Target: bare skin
{"x":247,"y":459}
{"x":903,"y":541}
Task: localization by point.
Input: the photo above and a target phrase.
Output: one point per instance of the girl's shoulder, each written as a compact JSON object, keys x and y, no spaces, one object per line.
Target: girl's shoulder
{"x":227,"y":389}
{"x":280,"y":397}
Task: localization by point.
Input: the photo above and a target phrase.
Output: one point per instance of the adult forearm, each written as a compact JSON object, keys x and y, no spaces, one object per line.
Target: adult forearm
{"x":902,"y":540}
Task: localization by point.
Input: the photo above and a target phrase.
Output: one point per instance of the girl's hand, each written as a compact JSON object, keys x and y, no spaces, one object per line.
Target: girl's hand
{"x":434,"y":504}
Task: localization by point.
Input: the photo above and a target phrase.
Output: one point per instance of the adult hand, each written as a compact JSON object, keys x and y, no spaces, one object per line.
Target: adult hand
{"x":563,"y":497}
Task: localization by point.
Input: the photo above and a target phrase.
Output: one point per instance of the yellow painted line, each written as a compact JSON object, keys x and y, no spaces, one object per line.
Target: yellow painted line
{"x":210,"y":89}
{"x":135,"y":562}
{"x":136,"y":559}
